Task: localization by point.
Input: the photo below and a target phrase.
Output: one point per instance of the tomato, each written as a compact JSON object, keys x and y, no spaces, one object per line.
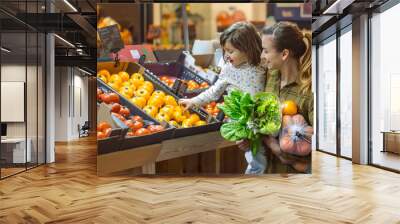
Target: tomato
{"x":155,"y":128}
{"x":105,"y":97}
{"x":129,"y":123}
{"x":107,"y":132}
{"x":102,"y":126}
{"x":142,"y":131}
{"x":213,"y":104}
{"x":101,"y":135}
{"x":137,"y":118}
{"x":156,"y":100}
{"x":99,"y":93}
{"x":130,"y":133}
{"x":137,"y":125}
{"x":114,"y":98}
{"x":119,"y":116}
{"x":216,"y":110}
{"x":204,"y":85}
{"x":193,"y":85}
{"x":124,"y":112}
{"x":116,"y":107}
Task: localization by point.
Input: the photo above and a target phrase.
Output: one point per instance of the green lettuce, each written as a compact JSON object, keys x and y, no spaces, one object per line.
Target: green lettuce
{"x":250,"y":117}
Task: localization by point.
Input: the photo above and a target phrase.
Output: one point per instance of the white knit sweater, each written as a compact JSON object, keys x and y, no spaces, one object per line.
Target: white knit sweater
{"x":247,"y":78}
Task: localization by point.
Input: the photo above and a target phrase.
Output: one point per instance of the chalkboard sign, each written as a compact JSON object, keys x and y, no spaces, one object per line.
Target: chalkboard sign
{"x":110,"y":38}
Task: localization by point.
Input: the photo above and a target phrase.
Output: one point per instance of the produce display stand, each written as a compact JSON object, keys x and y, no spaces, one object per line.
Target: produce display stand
{"x":144,"y":151}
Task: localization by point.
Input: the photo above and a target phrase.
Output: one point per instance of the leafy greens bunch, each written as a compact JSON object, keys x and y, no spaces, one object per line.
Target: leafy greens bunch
{"x":250,"y":117}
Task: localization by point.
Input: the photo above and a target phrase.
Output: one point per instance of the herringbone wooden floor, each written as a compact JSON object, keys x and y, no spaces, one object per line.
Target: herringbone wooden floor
{"x":70,"y":192}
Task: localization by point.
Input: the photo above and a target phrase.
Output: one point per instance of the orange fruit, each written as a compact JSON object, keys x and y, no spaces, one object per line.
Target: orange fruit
{"x":115,"y":78}
{"x":162,"y":117}
{"x":170,"y":100}
{"x":187,"y":123}
{"x":151,"y":110}
{"x":126,"y":91}
{"x":139,"y":101}
{"x":178,"y":116}
{"x":142,"y":92}
{"x":114,"y":85}
{"x":289,"y":107}
{"x":194,"y":118}
{"x":173,"y":123}
{"x":148,"y":86}
{"x":159,"y":93}
{"x":200,"y":123}
{"x":103,"y":78}
{"x":137,"y":79}
{"x":168,"y":109}
{"x":124,"y":76}
{"x":104,"y":73}
{"x":156,"y":101}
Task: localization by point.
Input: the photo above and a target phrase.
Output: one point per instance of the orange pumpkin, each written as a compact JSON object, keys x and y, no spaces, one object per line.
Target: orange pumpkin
{"x":295,"y":136}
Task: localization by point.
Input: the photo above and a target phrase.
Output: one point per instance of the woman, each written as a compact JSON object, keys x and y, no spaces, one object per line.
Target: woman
{"x":287,"y":55}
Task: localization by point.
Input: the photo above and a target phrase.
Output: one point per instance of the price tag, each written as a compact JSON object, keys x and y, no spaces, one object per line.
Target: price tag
{"x":111,"y":39}
{"x":135,"y":54}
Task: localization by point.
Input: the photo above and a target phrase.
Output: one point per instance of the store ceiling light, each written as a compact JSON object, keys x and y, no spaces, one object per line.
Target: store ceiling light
{"x":65,"y":41}
{"x":70,"y":5}
{"x":5,"y":50}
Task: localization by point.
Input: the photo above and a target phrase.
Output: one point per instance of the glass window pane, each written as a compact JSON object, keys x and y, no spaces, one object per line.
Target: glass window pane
{"x":385,"y":88}
{"x":346,"y":94}
{"x":13,"y":85}
{"x":327,"y":96}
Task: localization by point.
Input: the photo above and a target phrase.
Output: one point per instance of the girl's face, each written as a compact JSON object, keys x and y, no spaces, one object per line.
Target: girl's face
{"x":233,"y":55}
{"x":270,"y":57}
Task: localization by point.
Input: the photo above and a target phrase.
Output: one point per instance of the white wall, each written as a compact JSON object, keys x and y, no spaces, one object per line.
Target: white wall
{"x":71,"y":94}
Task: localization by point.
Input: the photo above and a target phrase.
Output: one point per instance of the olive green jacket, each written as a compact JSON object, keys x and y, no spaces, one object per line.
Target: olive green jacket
{"x":305,"y":104}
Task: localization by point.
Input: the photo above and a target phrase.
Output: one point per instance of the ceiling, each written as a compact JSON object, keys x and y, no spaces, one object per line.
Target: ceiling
{"x":72,"y":20}
{"x":330,"y":15}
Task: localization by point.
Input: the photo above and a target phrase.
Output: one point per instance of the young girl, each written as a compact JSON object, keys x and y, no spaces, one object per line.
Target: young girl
{"x":242,"y":48}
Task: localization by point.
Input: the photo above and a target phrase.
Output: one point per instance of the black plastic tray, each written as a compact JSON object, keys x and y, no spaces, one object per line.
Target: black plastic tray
{"x":178,"y":70}
{"x":167,"y":55}
{"x":137,"y":141}
{"x":178,"y":132}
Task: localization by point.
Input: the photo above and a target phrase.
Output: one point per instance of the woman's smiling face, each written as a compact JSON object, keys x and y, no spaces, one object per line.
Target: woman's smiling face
{"x":270,"y":57}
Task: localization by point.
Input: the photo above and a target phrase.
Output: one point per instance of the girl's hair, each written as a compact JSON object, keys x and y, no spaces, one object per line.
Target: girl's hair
{"x":288,"y":36}
{"x":244,"y":37}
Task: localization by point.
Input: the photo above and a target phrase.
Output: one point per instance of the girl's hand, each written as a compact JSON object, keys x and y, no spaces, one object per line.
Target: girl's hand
{"x":243,"y":145}
{"x":186,"y":102}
